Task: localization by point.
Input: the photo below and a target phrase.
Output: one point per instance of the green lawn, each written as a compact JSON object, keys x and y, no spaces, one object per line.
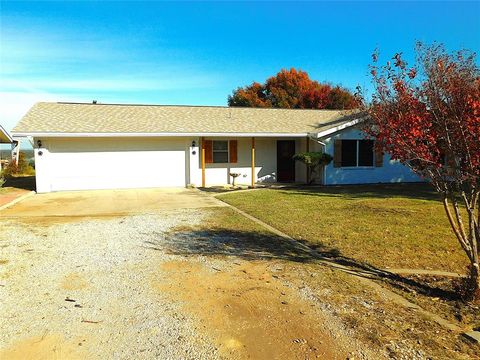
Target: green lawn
{"x":387,"y":226}
{"x":371,"y":317}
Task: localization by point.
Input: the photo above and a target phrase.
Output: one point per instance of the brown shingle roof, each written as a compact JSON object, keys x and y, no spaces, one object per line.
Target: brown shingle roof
{"x":108,"y":118}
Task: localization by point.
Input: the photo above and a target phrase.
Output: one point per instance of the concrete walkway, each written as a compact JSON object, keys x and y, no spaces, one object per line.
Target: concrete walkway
{"x":109,"y":202}
{"x":425,"y":272}
{"x":10,"y":195}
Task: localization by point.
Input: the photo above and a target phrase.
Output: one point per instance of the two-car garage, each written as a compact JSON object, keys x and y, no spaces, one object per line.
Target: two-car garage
{"x":109,"y":163}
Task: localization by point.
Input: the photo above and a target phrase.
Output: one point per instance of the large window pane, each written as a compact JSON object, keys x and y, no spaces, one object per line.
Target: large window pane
{"x":220,"y":157}
{"x":365,"y":153}
{"x":349,"y":152}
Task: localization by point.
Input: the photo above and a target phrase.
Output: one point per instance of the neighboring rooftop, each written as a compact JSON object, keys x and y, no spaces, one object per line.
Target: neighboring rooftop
{"x":72,"y":118}
{"x":5,"y":137}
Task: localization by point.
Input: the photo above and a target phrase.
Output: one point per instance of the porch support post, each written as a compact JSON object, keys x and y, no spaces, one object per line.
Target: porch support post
{"x":15,"y":151}
{"x":308,"y":150}
{"x":203,"y":161}
{"x":253,"y":162}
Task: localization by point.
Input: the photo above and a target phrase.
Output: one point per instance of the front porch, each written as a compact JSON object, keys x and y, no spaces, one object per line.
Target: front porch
{"x":256,"y":160}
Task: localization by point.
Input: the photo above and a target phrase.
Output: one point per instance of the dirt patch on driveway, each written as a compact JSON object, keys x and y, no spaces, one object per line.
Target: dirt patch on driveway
{"x":48,"y":347}
{"x":73,"y":281}
{"x":249,"y":313}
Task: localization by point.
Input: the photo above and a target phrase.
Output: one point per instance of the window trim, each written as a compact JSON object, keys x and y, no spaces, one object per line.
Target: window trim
{"x":221,"y":151}
{"x":358,"y":156}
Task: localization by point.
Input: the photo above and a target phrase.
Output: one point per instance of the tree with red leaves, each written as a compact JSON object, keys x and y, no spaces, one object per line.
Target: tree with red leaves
{"x":428,"y":117}
{"x":292,"y":89}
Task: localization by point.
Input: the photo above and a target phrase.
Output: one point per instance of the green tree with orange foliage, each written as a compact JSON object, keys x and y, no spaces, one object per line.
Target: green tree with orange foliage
{"x":292,"y":89}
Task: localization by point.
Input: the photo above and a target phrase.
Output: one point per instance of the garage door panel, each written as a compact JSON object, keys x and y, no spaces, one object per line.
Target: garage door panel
{"x":87,"y":170}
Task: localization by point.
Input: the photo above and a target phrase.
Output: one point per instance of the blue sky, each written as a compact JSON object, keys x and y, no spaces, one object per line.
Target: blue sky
{"x":197,"y":53}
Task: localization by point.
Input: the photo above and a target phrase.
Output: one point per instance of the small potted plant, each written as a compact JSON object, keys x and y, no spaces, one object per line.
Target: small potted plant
{"x":234,"y":177}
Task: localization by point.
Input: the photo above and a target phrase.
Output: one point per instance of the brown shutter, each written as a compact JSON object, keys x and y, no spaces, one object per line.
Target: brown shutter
{"x":208,"y":146}
{"x":232,"y":144}
{"x":337,"y":153}
{"x":378,"y":156}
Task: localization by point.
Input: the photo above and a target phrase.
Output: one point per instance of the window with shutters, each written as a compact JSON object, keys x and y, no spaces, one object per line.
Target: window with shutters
{"x":220,"y":151}
{"x":357,"y":153}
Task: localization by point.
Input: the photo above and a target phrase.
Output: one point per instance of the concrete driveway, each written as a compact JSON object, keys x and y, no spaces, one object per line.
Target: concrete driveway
{"x":84,"y":273}
{"x":109,"y":202}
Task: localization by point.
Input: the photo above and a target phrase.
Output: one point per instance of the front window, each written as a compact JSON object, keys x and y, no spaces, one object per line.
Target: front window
{"x":349,"y":153}
{"x":220,"y":151}
{"x":357,"y":153}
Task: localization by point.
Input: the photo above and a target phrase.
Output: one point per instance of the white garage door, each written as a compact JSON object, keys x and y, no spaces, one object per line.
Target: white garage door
{"x":86,"y":164}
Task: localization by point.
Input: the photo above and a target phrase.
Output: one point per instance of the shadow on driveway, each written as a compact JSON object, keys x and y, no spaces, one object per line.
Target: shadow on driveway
{"x":262,"y":246}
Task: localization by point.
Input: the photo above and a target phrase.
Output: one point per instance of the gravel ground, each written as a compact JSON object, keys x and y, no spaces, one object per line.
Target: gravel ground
{"x":84,"y":290}
{"x":128,"y":287}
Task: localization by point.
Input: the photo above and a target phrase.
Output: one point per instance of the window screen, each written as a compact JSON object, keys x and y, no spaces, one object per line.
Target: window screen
{"x":220,"y":151}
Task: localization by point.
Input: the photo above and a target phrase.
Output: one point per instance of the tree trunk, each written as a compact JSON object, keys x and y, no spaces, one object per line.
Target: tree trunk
{"x":475,"y":281}
{"x":474,"y":241}
{"x":468,"y":240}
{"x":311,"y":173}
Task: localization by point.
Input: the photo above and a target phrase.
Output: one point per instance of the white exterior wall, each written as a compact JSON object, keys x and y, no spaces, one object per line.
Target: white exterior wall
{"x":301,"y":172}
{"x":265,"y":163}
{"x":141,"y":162}
{"x":392,"y":171}
{"x":300,"y":169}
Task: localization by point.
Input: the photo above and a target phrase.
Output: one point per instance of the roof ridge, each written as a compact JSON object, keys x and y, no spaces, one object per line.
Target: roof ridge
{"x":189,"y":106}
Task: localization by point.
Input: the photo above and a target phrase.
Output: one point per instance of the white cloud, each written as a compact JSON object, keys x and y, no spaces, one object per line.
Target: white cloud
{"x":44,"y":62}
{"x":157,"y":82}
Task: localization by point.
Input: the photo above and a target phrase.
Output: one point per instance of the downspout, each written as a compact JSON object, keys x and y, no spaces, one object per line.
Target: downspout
{"x":324,"y":149}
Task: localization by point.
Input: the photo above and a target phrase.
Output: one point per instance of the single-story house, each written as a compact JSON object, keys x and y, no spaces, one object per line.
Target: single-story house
{"x":81,"y":146}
